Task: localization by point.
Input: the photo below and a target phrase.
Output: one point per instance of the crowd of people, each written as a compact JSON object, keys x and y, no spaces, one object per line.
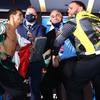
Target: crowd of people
{"x":71,"y":55}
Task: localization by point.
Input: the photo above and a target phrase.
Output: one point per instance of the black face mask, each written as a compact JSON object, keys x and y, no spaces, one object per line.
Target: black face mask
{"x":30,"y":18}
{"x":56,"y":25}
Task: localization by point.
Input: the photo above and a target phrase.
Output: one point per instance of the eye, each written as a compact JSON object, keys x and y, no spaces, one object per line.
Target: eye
{"x":52,"y":16}
{"x":58,"y":15}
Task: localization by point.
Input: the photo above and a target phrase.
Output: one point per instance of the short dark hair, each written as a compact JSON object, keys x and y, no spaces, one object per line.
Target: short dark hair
{"x":80,"y":4}
{"x":13,"y":11}
{"x":31,"y":6}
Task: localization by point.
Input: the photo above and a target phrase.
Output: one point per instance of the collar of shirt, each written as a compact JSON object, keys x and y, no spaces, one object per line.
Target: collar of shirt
{"x":60,"y":27}
{"x":31,"y":24}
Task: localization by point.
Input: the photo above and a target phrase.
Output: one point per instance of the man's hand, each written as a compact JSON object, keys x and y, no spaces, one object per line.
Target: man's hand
{"x":55,"y":61}
{"x":30,"y":35}
{"x":11,"y":38}
{"x":12,"y":24}
{"x":97,"y":29}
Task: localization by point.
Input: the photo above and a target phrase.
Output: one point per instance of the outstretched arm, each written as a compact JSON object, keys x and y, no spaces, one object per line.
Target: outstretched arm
{"x":11,"y":38}
{"x":67,"y":30}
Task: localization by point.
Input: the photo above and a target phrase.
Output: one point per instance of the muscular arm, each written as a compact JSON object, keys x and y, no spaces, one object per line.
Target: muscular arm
{"x":67,"y":30}
{"x":10,"y":41}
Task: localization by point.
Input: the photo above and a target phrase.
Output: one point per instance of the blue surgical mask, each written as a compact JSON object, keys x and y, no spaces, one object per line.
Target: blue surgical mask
{"x":30,"y":18}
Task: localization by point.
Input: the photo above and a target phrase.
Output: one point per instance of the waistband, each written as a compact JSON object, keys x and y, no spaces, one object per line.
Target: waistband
{"x":86,"y":57}
{"x":88,"y":54}
{"x":97,"y":52}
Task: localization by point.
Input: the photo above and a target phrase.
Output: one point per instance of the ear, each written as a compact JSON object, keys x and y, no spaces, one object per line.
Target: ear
{"x":80,"y":9}
{"x":36,"y":16}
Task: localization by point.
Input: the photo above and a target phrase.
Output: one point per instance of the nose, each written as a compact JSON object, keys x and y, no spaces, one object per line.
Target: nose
{"x":55,"y":17}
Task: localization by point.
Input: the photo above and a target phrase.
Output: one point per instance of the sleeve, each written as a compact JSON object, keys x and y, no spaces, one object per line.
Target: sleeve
{"x":67,"y":31}
{"x":22,"y":31}
{"x":41,"y":31}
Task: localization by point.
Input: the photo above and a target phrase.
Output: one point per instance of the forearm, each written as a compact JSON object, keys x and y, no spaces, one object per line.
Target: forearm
{"x":67,"y":31}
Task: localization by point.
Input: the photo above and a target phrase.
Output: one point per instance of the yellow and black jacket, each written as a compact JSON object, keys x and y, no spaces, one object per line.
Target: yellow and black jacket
{"x":84,"y":30}
{"x":86,"y":33}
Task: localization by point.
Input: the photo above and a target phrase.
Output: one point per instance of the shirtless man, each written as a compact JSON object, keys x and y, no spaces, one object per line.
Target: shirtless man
{"x":10,"y":80}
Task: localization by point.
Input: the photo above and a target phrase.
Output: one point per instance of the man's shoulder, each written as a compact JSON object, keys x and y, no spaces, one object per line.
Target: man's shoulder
{"x":68,"y":24}
{"x":21,"y":27}
{"x":41,"y":26}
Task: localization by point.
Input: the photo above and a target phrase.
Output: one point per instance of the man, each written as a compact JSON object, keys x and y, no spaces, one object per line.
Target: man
{"x":67,"y":56}
{"x":88,"y":49}
{"x":51,"y":78}
{"x":10,"y":80}
{"x":30,"y":29}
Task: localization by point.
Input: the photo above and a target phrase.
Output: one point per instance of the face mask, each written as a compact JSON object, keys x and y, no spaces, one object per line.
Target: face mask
{"x":56,"y":24}
{"x":30,"y":18}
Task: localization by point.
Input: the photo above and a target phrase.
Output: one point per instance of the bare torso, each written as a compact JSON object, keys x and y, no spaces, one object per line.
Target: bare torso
{"x":10,"y":43}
